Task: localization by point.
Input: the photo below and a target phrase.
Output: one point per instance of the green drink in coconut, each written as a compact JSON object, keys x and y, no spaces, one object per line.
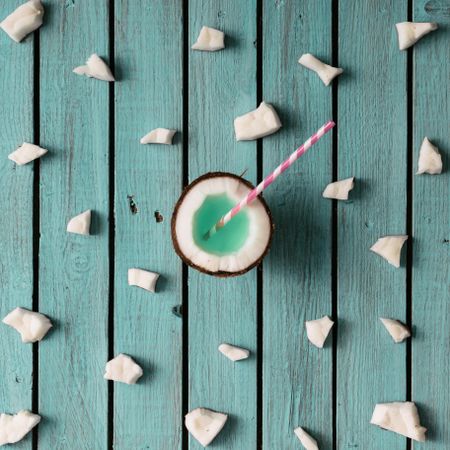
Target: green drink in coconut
{"x":238,"y":246}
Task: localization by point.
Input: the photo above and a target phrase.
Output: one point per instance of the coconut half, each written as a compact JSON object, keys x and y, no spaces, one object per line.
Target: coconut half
{"x":237,"y":247}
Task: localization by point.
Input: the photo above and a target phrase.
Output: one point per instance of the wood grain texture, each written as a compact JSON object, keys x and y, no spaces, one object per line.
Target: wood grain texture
{"x":16,"y":219}
{"x":297,"y":273}
{"x":148,"y":95}
{"x":372,"y":124}
{"x":431,"y":228}
{"x":73,"y":271}
{"x":222,"y":85}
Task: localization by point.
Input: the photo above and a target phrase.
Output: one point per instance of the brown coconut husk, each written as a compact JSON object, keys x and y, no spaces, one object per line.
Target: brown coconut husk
{"x":220,"y":273}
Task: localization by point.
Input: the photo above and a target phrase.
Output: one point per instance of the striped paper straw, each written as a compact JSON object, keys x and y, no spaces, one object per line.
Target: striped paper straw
{"x":271,"y":178}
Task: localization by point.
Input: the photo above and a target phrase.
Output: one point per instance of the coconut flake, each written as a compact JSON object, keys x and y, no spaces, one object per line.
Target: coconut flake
{"x":307,"y":441}
{"x":80,"y":224}
{"x":13,"y":428}
{"x":26,"y":153}
{"x":410,"y":32}
{"x":318,"y":330}
{"x":257,"y":123}
{"x":209,"y":40}
{"x":204,"y":424}
{"x":159,"y":136}
{"x":95,"y":68}
{"x":325,"y":72}
{"x":234,"y":353}
{"x":31,"y":325}
{"x":430,"y":160}
{"x":339,"y":189}
{"x":389,"y":248}
{"x":124,"y":369}
{"x":399,"y":417}
{"x":396,"y":329}
{"x":143,"y":279}
{"x":24,"y":20}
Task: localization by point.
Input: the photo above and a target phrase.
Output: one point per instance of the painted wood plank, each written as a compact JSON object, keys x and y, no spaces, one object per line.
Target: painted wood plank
{"x":148,"y":95}
{"x":16,"y":220}
{"x":297,"y":273}
{"x":222,"y":85}
{"x":73,"y":271}
{"x":431,"y":228}
{"x":372,"y":147}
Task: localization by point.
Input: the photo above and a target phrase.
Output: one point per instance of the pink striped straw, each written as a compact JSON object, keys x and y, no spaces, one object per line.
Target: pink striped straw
{"x":271,"y":178}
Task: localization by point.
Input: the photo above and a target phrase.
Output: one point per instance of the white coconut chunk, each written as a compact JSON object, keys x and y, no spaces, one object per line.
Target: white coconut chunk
{"x":325,"y":72}
{"x":204,"y":424}
{"x":399,"y":417}
{"x":143,"y":279}
{"x":410,"y":32}
{"x":24,"y":20}
{"x":209,"y":40}
{"x":396,"y":329}
{"x":258,"y":123}
{"x":430,"y":160}
{"x":390,"y":247}
{"x":32,"y":326}
{"x":95,"y":68}
{"x":159,"y":136}
{"x":124,"y":369}
{"x":26,"y":153}
{"x":339,"y":189}
{"x":307,"y":441}
{"x":318,"y":330}
{"x":234,"y":353}
{"x":13,"y":428}
{"x":80,"y":224}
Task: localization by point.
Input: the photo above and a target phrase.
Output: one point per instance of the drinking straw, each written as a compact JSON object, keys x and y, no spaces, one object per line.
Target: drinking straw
{"x":271,"y":178}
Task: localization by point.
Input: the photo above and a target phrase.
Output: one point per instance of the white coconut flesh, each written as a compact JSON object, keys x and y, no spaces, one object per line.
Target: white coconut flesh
{"x":430,"y":160}
{"x":410,"y":32}
{"x":396,"y":329}
{"x":389,"y":248}
{"x":205,"y":424}
{"x":399,"y":417}
{"x":32,"y":326}
{"x":233,"y":353}
{"x":124,"y":369}
{"x":306,"y":440}
{"x":236,"y":247}
{"x":13,"y":428}
{"x":318,"y":330}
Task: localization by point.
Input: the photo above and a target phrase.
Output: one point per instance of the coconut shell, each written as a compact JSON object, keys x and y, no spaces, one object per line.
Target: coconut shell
{"x":220,"y":273}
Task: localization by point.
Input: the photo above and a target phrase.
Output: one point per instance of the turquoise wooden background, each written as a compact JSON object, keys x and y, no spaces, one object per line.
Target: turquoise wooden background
{"x":384,"y":104}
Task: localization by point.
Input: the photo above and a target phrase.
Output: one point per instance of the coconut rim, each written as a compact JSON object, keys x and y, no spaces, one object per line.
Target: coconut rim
{"x":219,"y":273}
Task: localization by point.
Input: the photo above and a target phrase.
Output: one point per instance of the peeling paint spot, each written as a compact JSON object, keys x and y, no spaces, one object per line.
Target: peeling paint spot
{"x":279,"y":3}
{"x":158,"y":217}
{"x":18,"y":379}
{"x":132,"y":204}
{"x":368,"y":224}
{"x":446,"y":241}
{"x":70,"y":4}
{"x":438,"y":8}
{"x":221,"y":14}
{"x":178,"y":311}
